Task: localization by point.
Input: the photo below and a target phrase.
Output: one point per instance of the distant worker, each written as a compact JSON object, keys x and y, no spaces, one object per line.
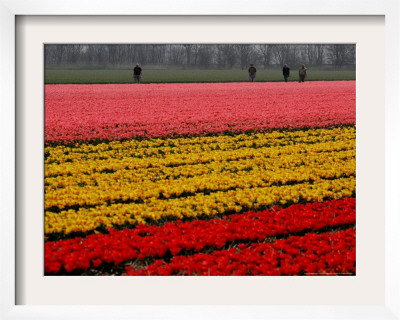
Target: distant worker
{"x":302,"y":73}
{"x":137,"y":73}
{"x":286,"y":72}
{"x":252,"y":73}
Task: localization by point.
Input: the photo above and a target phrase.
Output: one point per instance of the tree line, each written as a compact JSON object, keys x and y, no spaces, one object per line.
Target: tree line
{"x":220,"y":56}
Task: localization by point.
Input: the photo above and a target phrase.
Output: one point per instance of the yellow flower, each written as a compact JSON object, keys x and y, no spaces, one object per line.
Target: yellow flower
{"x":95,"y":185}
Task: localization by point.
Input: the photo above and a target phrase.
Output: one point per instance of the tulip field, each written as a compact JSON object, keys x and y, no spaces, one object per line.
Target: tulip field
{"x":200,"y":179}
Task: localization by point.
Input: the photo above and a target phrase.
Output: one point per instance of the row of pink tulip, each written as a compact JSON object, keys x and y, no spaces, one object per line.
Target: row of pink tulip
{"x":124,"y":111}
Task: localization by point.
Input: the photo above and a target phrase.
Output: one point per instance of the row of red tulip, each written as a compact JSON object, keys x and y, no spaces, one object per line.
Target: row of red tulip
{"x":312,"y":254}
{"x":194,"y":236}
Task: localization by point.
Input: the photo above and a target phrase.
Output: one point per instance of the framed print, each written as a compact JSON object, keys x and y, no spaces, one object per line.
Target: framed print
{"x":28,"y":28}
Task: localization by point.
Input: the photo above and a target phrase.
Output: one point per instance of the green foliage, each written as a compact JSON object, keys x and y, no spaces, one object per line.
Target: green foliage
{"x":81,"y":76}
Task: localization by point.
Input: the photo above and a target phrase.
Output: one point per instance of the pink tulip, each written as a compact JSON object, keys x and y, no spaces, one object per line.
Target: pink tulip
{"x":125,"y":111}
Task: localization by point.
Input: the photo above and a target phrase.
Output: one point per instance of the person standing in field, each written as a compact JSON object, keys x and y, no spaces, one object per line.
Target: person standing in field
{"x":137,"y":73}
{"x":302,"y":73}
{"x":286,"y":72}
{"x":252,"y":73}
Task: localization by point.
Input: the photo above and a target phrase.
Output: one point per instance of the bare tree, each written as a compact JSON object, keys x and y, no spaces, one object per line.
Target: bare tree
{"x":287,"y":54}
{"x":226,"y":55}
{"x":189,"y":48}
{"x":204,"y":55}
{"x":159,"y":54}
{"x":281,"y":53}
{"x":244,"y":52}
{"x":340,"y":54}
{"x":315,"y":53}
{"x":266,"y":53}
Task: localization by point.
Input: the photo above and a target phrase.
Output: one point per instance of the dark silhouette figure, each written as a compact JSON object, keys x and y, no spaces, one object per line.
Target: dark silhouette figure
{"x":286,"y":72}
{"x":252,"y":73}
{"x":302,"y":73}
{"x":137,"y":73}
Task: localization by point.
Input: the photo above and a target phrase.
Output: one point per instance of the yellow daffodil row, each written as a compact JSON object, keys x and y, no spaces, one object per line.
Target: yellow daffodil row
{"x":110,"y":184}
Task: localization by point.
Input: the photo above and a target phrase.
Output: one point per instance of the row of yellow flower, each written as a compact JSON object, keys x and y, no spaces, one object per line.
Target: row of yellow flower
{"x":100,"y":158}
{"x":61,"y":160}
{"x":148,"y":146}
{"x":85,"y":219}
{"x":97,"y":188}
{"x":245,"y":176}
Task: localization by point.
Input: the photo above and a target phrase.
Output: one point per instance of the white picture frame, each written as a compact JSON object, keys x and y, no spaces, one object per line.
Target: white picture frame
{"x":9,"y":9}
